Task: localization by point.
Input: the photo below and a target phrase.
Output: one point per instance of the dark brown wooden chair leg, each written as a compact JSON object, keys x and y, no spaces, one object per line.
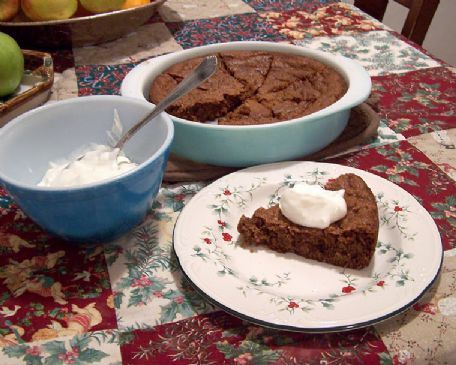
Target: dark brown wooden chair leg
{"x":373,"y":8}
{"x":419,"y":19}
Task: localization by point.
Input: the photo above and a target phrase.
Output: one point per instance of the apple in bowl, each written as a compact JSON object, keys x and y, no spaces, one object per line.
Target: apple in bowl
{"x":102,"y":6}
{"x":9,"y":9}
{"x":41,"y":10}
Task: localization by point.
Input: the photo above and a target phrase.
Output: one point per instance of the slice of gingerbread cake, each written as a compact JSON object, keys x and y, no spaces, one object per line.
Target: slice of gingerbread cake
{"x":349,"y":242}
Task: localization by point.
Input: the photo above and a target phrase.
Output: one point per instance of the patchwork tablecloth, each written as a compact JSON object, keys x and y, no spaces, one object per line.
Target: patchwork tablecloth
{"x":127,"y":302}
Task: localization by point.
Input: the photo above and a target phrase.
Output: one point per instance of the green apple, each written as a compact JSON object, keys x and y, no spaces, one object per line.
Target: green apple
{"x":102,"y":6}
{"x":11,"y":65}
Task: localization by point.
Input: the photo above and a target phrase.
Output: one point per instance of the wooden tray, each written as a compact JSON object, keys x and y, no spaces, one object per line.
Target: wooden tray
{"x":35,"y":87}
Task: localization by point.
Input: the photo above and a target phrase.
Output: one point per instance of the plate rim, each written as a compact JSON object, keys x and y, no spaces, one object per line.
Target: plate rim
{"x":329,"y":329}
{"x":303,"y":329}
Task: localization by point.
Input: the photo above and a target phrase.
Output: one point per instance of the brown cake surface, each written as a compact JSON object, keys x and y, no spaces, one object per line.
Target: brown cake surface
{"x":349,"y":242}
{"x":253,"y":88}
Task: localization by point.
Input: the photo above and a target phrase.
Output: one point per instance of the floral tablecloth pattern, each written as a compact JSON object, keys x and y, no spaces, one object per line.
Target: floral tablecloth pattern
{"x":127,"y":302}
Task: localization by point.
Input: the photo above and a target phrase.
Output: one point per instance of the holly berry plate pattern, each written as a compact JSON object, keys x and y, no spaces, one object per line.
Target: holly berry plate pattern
{"x":286,"y":291}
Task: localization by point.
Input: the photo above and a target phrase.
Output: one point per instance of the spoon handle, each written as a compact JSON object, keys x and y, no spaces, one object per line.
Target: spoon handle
{"x":198,"y":76}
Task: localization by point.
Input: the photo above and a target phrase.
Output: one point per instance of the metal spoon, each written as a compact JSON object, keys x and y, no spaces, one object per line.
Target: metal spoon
{"x":204,"y":70}
{"x":198,"y":76}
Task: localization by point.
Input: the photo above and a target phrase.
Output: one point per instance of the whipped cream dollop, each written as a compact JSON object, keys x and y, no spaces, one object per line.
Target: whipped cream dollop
{"x":312,"y":206}
{"x":99,"y":162}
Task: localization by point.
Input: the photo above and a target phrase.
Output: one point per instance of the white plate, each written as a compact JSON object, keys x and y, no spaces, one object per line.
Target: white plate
{"x":286,"y":291}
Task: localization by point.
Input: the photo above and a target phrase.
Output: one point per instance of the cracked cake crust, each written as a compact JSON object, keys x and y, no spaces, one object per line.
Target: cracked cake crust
{"x":252,"y":87}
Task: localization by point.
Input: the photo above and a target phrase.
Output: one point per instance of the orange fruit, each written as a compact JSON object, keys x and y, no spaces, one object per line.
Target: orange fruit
{"x":134,"y":3}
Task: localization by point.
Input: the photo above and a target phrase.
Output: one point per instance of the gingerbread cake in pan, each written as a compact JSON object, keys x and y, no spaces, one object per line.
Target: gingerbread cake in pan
{"x":252,"y":87}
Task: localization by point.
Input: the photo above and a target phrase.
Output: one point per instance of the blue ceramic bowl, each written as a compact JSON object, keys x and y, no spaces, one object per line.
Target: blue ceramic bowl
{"x":241,"y":146}
{"x":96,"y":212}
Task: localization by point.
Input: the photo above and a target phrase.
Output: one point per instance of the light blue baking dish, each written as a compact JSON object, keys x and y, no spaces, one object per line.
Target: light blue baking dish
{"x":240,"y":146}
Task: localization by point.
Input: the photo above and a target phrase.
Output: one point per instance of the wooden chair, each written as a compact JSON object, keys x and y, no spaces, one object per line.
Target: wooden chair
{"x":418,"y":19}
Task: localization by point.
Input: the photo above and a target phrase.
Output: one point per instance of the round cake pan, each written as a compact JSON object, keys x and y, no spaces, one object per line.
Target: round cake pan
{"x":240,"y":146}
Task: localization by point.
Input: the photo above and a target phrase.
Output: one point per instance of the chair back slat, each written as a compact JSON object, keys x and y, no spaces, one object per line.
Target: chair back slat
{"x":418,"y":19}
